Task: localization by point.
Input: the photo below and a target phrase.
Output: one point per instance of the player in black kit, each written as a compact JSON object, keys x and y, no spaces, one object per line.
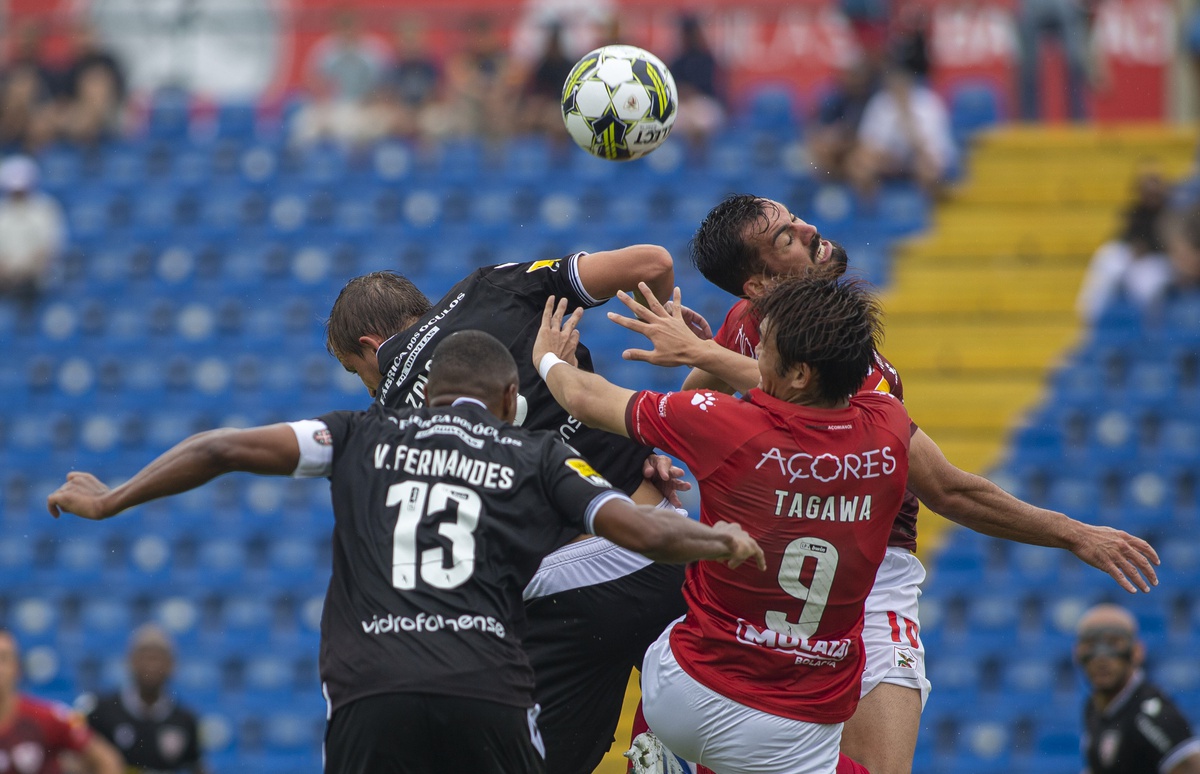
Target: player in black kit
{"x":593,"y":607}
{"x":441,"y":515}
{"x":154,"y":733}
{"x":1131,"y":727}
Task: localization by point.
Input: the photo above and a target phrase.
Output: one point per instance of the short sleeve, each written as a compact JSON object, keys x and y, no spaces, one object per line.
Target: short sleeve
{"x":697,"y":426}
{"x":890,"y":410}
{"x":319,"y":440}
{"x":316,"y":449}
{"x":1165,"y":729}
{"x":733,"y":336}
{"x":538,"y":280}
{"x":575,"y":488}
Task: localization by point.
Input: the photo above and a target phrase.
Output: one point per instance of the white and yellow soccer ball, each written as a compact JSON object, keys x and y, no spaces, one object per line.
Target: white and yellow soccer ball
{"x":619,"y":102}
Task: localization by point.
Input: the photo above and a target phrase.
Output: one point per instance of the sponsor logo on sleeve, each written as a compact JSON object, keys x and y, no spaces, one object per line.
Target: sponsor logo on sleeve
{"x":703,"y":400}
{"x":323,"y":437}
{"x":587,"y":472}
{"x":553,"y":265}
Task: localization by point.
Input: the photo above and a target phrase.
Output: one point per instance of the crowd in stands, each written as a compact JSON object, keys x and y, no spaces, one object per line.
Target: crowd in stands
{"x":77,"y":97}
{"x":1153,"y":261}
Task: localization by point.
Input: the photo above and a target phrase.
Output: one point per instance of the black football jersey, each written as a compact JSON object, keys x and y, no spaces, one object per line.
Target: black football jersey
{"x":1140,"y":731}
{"x":507,"y":301}
{"x":153,"y":740}
{"x":441,"y":517}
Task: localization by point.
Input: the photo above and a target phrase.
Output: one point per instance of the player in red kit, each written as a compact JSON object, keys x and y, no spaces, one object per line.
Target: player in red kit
{"x":744,"y":245}
{"x":765,"y":667}
{"x":34,"y":733}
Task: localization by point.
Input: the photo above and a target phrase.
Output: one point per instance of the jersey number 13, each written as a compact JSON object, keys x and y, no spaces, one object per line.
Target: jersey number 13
{"x":416,"y":499}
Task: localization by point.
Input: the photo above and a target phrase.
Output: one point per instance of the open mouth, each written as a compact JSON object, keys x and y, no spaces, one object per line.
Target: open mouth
{"x":821,"y":254}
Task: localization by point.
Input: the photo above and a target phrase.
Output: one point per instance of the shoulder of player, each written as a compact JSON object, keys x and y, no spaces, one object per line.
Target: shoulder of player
{"x":1153,"y":702}
{"x":35,"y":707}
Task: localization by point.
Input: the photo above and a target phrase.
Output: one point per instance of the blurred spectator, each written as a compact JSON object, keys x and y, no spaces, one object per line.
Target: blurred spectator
{"x":698,"y":77}
{"x":541,"y":109}
{"x":905,"y":133}
{"x":27,"y":118}
{"x":31,"y":231}
{"x":410,"y":85}
{"x":154,"y":733}
{"x":838,"y":118}
{"x":480,"y":90}
{"x":1066,"y":20}
{"x":1133,"y":266}
{"x":1130,"y":725}
{"x":35,"y":734}
{"x":344,"y":72}
{"x":91,"y":89}
{"x":1182,"y":237}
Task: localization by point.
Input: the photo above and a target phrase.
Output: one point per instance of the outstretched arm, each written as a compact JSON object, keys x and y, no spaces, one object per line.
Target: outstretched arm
{"x":978,"y":504}
{"x":666,"y":536}
{"x":271,"y":450}
{"x":674,"y":343}
{"x":609,"y":271}
{"x":588,"y":397}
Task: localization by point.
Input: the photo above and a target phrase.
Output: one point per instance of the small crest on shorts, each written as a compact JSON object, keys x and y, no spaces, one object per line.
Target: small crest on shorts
{"x":905,"y":658}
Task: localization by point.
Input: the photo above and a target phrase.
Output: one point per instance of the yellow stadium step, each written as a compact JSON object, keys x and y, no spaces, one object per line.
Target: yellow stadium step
{"x":982,"y":305}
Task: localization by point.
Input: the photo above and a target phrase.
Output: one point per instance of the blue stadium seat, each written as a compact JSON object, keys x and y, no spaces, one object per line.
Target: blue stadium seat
{"x":973,"y":107}
{"x":169,"y":116}
{"x":773,"y":110}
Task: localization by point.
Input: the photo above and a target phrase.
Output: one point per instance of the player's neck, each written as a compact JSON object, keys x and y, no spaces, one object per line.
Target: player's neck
{"x":1101,"y":700}
{"x":149,"y":696}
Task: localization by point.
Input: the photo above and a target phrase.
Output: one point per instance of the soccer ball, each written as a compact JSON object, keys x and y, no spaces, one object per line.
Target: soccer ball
{"x":619,"y":102}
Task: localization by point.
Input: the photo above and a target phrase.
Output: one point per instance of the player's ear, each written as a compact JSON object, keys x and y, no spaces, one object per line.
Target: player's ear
{"x":1138,"y":657}
{"x":510,"y":403}
{"x":803,"y":377}
{"x":755,"y":286}
{"x":370,"y":342}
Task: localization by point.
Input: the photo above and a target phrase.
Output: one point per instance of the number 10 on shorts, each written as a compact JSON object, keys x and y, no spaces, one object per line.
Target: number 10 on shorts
{"x":911,"y":629}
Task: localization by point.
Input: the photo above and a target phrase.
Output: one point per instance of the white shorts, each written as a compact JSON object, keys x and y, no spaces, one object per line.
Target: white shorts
{"x":701,"y":725}
{"x":891,"y":626}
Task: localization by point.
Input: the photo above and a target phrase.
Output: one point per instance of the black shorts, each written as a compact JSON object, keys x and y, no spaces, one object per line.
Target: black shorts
{"x":408,"y":733}
{"x":583,"y":643}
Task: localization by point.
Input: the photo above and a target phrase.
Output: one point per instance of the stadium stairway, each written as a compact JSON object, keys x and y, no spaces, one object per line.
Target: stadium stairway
{"x":982,"y":305}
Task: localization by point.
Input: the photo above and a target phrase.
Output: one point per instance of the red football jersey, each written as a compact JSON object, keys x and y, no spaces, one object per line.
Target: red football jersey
{"x":739,"y":333}
{"x":819,"y":490}
{"x":31,"y":741}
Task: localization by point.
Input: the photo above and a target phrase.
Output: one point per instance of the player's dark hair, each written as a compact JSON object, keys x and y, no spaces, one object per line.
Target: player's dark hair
{"x":381,"y":303}
{"x":833,"y":324}
{"x":471,"y":363}
{"x":720,"y":250}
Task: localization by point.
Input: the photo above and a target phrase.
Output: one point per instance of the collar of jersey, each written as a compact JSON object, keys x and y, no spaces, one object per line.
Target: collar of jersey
{"x":1119,"y":701}
{"x":476,"y":401}
{"x":768,"y":401}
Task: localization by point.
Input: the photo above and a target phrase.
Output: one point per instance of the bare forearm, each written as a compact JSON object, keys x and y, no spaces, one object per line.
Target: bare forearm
{"x":590,"y":398}
{"x":738,"y":371}
{"x":663,"y":535}
{"x":685,"y":540}
{"x":191,"y":463}
{"x":986,"y":508}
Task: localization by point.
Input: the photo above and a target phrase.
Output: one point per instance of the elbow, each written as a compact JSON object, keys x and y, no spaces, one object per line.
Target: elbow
{"x":659,"y":265}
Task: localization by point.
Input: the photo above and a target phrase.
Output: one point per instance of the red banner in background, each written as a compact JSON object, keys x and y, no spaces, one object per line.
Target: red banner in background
{"x":244,"y":49}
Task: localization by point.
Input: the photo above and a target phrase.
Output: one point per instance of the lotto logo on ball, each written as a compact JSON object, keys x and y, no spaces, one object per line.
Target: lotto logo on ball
{"x":619,"y":102}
